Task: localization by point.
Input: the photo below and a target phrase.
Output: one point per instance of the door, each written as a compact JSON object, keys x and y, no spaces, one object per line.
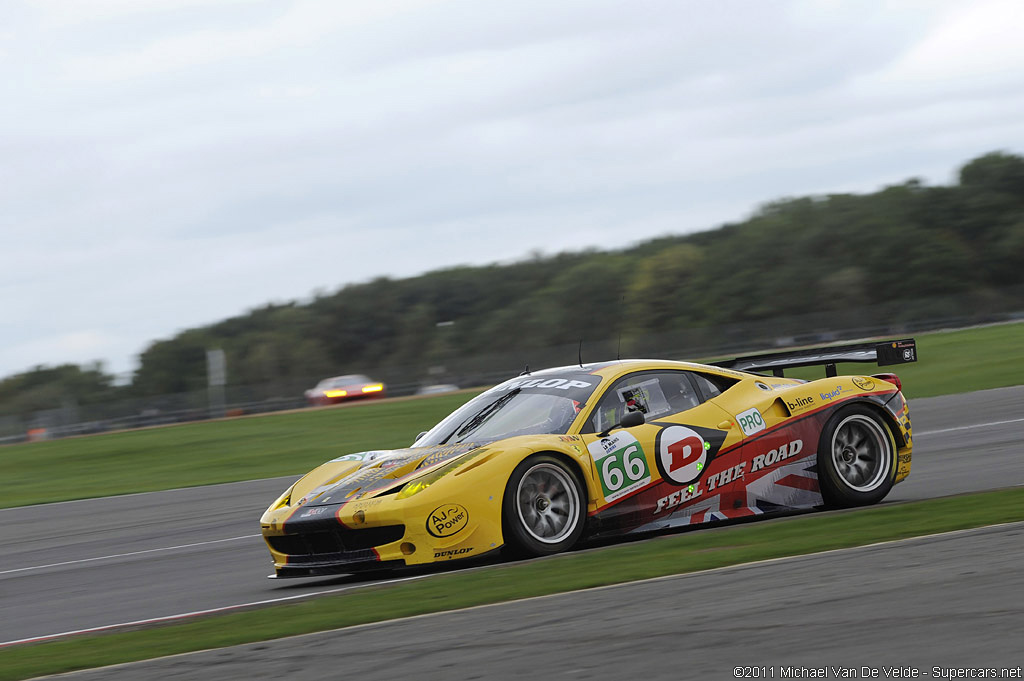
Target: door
{"x":670,"y":454}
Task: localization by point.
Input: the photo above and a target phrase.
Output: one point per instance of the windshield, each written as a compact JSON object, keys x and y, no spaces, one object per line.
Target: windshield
{"x":342,"y":381}
{"x":522,"y":406}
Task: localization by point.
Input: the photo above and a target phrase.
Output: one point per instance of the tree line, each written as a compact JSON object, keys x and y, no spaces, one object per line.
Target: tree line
{"x":890,"y":249}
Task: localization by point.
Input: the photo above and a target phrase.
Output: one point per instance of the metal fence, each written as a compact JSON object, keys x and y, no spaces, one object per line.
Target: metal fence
{"x":485,"y":368}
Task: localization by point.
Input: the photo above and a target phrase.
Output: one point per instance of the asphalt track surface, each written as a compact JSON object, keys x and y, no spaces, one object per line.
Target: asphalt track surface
{"x":918,"y":604}
{"x":105,"y":562}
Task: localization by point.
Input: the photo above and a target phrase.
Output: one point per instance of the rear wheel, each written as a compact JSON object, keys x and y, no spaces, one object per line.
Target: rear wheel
{"x":856,"y":458}
{"x":543,"y":508}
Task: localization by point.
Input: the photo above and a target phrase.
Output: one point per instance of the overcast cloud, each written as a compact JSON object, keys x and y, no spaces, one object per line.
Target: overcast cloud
{"x":165,"y":164}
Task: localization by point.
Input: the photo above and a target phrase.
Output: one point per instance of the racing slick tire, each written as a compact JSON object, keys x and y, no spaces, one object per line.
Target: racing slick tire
{"x":544,"y":507}
{"x":856,"y":458}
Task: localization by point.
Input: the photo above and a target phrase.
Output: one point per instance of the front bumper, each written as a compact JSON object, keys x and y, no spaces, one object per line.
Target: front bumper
{"x":327,"y":547}
{"x":457,"y":518}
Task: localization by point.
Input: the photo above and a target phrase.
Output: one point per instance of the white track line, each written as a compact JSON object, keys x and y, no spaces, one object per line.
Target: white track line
{"x":285,"y":479}
{"x":685,"y":575}
{"x":125,"y":555}
{"x":976,"y":425}
{"x":197,"y":613}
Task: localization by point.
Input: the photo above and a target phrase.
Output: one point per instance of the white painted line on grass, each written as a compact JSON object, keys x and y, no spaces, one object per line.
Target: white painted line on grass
{"x":125,"y":555}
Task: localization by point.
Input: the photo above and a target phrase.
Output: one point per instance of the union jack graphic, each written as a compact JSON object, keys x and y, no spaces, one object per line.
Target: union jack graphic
{"x":789,"y":486}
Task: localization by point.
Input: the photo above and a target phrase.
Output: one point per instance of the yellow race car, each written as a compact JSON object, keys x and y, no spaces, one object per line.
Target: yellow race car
{"x":549,"y":458}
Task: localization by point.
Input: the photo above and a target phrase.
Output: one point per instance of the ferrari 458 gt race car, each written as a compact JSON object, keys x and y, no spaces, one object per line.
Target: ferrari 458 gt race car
{"x":551,"y":457}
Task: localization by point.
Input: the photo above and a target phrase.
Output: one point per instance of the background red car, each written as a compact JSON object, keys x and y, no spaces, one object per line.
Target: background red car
{"x":342,"y":388}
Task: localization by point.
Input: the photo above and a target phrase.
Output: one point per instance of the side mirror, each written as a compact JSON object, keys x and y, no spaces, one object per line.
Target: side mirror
{"x":630,"y":420}
{"x":633,"y":419}
{"x":419,"y":437}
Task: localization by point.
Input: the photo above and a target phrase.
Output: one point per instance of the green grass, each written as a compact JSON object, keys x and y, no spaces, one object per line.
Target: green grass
{"x":212,"y":451}
{"x":953,"y":362}
{"x":293,"y":443}
{"x":667,"y":555}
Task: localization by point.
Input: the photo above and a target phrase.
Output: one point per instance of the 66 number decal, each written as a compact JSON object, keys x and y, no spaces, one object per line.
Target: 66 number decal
{"x":621,"y":465}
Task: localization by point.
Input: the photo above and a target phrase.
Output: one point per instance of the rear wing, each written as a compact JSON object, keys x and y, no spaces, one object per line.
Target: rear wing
{"x":882,"y":353}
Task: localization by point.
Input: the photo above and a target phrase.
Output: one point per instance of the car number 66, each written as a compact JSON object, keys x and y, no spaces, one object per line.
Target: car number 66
{"x":635,"y":468}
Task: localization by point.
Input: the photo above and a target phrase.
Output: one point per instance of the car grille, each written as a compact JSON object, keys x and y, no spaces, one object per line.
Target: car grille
{"x":341,"y":540}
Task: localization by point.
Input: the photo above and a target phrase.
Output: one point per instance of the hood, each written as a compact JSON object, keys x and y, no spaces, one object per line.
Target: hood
{"x":367,"y":474}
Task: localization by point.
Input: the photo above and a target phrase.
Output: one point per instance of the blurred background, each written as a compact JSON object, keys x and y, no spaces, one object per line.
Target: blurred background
{"x":442,"y":193}
{"x":896,"y":262}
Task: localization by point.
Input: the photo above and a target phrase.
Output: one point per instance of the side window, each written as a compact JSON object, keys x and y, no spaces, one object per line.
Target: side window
{"x":712,"y":385}
{"x":655,"y":393}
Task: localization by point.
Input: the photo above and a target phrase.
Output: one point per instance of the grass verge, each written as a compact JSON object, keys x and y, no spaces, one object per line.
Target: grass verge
{"x":953,"y":362}
{"x":667,"y":555}
{"x":211,"y":452}
{"x":293,"y":443}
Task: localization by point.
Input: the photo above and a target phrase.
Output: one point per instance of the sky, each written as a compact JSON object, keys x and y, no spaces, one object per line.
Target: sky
{"x":166,"y":164}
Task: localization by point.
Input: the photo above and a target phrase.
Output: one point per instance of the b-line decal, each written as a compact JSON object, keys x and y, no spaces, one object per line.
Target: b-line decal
{"x":799,"y":403}
{"x":811,"y":413}
{"x":680,"y":455}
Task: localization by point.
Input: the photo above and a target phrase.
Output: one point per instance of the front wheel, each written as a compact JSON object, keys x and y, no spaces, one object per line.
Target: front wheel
{"x":543,"y":508}
{"x":856,"y":458}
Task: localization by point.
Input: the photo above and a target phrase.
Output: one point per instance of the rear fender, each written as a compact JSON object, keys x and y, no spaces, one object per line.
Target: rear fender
{"x":892,"y":409}
{"x":886,"y":415}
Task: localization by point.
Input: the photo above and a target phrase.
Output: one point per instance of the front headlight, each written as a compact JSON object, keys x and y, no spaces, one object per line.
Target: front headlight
{"x":279,"y":503}
{"x":283,"y":500}
{"x":419,"y":484}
